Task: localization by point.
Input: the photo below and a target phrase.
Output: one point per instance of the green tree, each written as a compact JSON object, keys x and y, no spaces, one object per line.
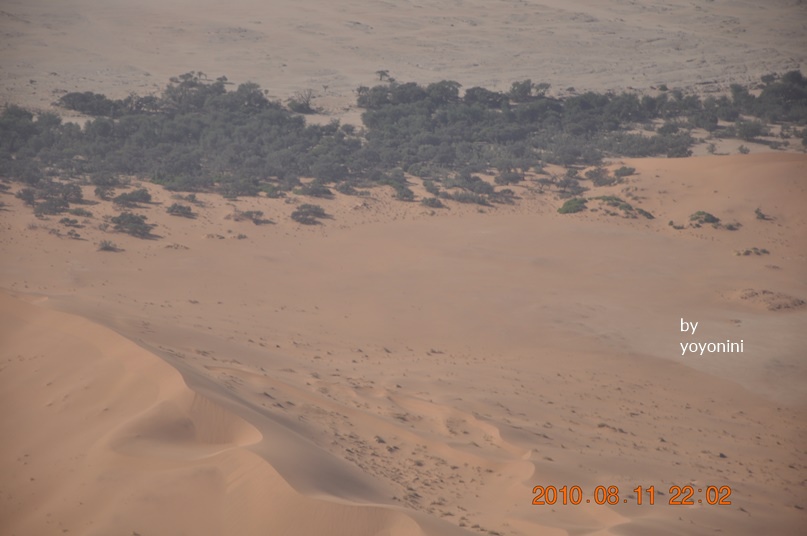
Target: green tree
{"x":133,"y":224}
{"x":183,"y":211}
{"x":308,"y":214}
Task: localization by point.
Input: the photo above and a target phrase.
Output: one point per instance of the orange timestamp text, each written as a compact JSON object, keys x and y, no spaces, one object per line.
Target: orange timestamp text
{"x":679,"y":495}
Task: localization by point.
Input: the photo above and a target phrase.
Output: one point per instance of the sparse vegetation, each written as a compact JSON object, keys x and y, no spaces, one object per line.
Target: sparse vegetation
{"x":255,"y":216}
{"x":644,"y":213}
{"x":753,"y":251}
{"x":301,"y":102}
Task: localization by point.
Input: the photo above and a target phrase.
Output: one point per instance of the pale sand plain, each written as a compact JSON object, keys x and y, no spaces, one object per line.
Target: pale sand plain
{"x":399,"y":370}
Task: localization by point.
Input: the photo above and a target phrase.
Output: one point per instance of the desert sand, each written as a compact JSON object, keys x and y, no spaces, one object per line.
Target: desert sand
{"x":399,"y":370}
{"x":332,"y":48}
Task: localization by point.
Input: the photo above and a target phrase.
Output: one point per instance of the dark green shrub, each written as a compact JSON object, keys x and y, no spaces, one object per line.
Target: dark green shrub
{"x":610,"y":200}
{"x":749,"y":130}
{"x":51,"y":205}
{"x":104,"y":192}
{"x":505,"y":196}
{"x":183,"y":211}
{"x":301,"y":102}
{"x":346,"y":188}
{"x":624,"y":171}
{"x":191,"y":198}
{"x":668,"y":128}
{"x":133,"y":224}
{"x":576,"y":204}
{"x":90,"y":103}
{"x":28,"y":196}
{"x":432,"y":202}
{"x":702,"y":217}
{"x":753,"y":251}
{"x":431,"y":187}
{"x":308,"y":214}
{"x":84,"y":213}
{"x":107,"y":245}
{"x":509,"y":177}
{"x":599,"y":177}
{"x":467,"y":198}
{"x":403,"y":193}
{"x":69,"y":222}
{"x":314,"y":189}
{"x":133,"y":198}
{"x":255,"y":216}
{"x":645,"y":213}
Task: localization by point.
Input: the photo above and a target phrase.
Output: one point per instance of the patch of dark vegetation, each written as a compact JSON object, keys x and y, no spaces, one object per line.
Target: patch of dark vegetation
{"x":576,"y":204}
{"x":107,"y":245}
{"x":255,"y":216}
{"x":314,"y":189}
{"x":624,"y":171}
{"x":81,"y":212}
{"x":642,"y":212}
{"x":701,"y":217}
{"x":133,"y":199}
{"x":133,"y":224}
{"x":432,"y":202}
{"x":70,"y":222}
{"x":308,"y":214}
{"x":203,"y":134}
{"x":628,"y":210}
{"x":753,"y":251}
{"x":183,"y":211}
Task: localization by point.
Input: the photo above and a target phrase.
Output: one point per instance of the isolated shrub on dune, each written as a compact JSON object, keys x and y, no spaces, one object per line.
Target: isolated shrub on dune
{"x":133,"y":224}
{"x":576,"y":204}
{"x":308,"y":214}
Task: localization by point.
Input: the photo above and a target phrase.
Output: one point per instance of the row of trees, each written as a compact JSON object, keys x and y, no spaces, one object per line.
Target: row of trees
{"x":200,"y":134}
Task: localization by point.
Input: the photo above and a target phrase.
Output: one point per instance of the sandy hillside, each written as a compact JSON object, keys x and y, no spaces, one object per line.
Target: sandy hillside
{"x":399,"y":370}
{"x":136,"y":449}
{"x":333,"y":47}
{"x":417,"y":371}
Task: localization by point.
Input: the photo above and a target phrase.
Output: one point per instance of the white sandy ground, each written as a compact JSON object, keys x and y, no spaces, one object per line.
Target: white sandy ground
{"x":395,"y":371}
{"x":399,"y":370}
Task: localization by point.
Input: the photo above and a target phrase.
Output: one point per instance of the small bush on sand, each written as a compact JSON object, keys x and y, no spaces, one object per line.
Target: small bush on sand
{"x":107,"y":245}
{"x":183,"y":211}
{"x":702,"y":217}
{"x":576,"y":204}
{"x":308,"y":214}
{"x":133,"y":224}
{"x":432,"y":202}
